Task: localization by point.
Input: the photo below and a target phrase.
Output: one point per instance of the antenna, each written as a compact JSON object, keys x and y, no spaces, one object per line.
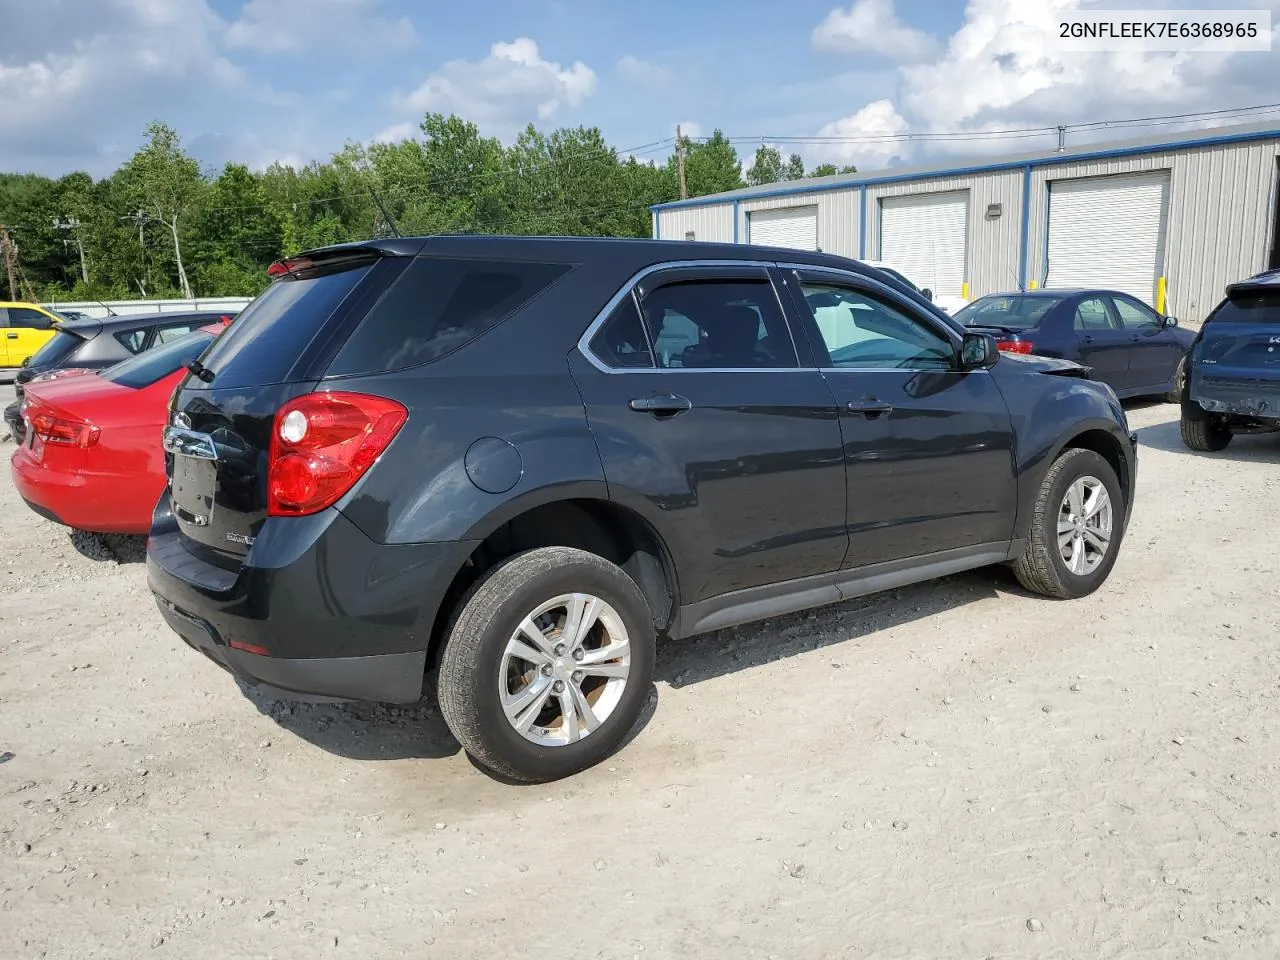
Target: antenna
{"x":385,"y":216}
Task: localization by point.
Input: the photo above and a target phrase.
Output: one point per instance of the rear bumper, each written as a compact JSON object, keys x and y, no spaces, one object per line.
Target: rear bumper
{"x":388,"y":677}
{"x":325,"y":610}
{"x":1258,"y":399}
{"x":80,"y":499}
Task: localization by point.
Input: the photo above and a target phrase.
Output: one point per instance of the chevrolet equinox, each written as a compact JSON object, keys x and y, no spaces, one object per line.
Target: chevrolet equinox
{"x":510,"y":464}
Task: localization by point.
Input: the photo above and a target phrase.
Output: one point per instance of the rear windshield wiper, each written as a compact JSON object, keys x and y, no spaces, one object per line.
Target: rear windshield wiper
{"x":201,"y":371}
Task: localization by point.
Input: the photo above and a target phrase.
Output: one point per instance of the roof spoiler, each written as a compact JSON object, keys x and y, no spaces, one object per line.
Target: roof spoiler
{"x":345,"y":255}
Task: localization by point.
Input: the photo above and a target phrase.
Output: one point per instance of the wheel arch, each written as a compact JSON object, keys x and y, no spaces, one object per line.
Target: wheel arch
{"x":583,"y":521}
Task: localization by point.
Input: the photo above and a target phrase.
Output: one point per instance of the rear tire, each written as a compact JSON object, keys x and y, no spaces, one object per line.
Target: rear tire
{"x":1204,"y":433}
{"x":1060,"y":524}
{"x":1179,"y":382}
{"x":529,"y":697}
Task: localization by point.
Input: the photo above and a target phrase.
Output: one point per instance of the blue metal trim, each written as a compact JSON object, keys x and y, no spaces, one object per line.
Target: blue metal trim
{"x":1026,"y":226}
{"x":862,"y":223}
{"x":1053,"y":160}
{"x":735,"y":221}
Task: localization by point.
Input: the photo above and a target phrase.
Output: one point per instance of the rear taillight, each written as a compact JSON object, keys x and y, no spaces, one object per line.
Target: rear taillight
{"x":1014,"y":346}
{"x":321,"y":444}
{"x":55,"y":426}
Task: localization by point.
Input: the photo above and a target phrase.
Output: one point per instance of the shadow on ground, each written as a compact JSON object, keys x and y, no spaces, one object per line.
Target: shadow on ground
{"x":693,"y":660}
{"x":1244,"y":448}
{"x":109,"y":547}
{"x":369,"y":731}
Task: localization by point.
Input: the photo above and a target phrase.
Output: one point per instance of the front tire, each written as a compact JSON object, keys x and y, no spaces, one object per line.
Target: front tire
{"x":548,"y":664}
{"x":1077,"y":523}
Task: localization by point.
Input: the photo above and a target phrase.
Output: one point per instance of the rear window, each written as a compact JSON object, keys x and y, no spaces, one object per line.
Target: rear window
{"x":146,"y":368}
{"x":1010,"y":313}
{"x":57,"y":349}
{"x":1248,"y":308}
{"x":266,"y":339}
{"x":438,"y":305}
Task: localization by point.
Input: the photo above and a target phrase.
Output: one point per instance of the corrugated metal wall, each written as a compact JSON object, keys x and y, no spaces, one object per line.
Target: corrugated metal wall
{"x":837,"y":218}
{"x":1221,"y":214}
{"x":710,"y":223}
{"x":992,"y":244}
{"x":1219,"y":222}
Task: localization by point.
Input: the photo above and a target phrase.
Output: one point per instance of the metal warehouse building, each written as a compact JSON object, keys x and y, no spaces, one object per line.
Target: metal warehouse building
{"x":1169,"y":220}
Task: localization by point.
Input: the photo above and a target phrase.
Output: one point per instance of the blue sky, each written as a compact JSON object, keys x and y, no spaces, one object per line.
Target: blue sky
{"x":265,"y":80}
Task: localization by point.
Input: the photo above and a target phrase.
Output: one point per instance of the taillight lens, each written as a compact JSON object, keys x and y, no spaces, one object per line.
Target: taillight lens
{"x":55,"y":426}
{"x":1014,"y":346}
{"x":321,"y":444}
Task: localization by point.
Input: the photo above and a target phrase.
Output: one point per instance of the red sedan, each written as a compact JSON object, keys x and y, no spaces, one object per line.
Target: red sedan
{"x":92,"y":457}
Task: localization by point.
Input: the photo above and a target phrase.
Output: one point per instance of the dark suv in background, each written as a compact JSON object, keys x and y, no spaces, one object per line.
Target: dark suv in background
{"x":1234,"y":381}
{"x":521,"y":460}
{"x":98,"y":344}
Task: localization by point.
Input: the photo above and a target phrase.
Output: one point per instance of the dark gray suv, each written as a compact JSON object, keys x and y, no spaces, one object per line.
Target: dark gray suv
{"x":512,"y":464}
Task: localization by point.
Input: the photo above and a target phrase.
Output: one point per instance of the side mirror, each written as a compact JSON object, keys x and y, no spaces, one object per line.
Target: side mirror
{"x":978,"y":351}
{"x":1171,"y":322}
{"x":927,"y":294}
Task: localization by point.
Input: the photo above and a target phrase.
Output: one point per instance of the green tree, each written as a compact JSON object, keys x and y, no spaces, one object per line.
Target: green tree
{"x":830,"y":170}
{"x":711,"y":166}
{"x":167,"y":184}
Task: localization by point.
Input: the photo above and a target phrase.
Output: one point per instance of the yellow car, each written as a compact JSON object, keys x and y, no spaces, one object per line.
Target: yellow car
{"x":24,"y":329}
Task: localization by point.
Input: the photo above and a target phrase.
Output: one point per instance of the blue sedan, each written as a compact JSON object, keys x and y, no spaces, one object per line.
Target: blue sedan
{"x":1128,"y":346}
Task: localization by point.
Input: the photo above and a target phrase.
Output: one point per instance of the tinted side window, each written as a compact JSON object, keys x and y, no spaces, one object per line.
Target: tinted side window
{"x":1133,"y":315}
{"x":1092,"y":314}
{"x":169,"y":334}
{"x":863,"y":331}
{"x":438,"y":305}
{"x":132,"y":340}
{"x":621,"y":342}
{"x":29,"y":319}
{"x":719,"y":324}
{"x":152,"y":365}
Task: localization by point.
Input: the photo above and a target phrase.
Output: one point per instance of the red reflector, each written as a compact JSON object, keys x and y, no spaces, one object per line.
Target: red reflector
{"x":249,"y":648}
{"x":1014,"y":346}
{"x":321,"y":444}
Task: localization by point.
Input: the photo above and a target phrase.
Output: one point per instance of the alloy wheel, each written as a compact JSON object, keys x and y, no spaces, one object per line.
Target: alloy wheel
{"x":564,"y":669}
{"x":1084,"y":525}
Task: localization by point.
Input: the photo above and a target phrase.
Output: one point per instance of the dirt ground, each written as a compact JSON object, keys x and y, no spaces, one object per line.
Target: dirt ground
{"x":955,"y":770}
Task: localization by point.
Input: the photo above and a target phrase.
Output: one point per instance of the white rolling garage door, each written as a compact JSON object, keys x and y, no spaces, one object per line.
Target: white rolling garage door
{"x":794,"y":227}
{"x":1108,"y":232}
{"x":925,"y":237}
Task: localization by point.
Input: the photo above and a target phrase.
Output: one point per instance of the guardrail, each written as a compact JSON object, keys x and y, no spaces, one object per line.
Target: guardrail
{"x":98,"y":310}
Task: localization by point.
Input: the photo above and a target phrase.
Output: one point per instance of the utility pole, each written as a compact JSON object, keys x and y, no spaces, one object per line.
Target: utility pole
{"x":73,"y":225}
{"x":684,"y":189}
{"x":7,"y":251}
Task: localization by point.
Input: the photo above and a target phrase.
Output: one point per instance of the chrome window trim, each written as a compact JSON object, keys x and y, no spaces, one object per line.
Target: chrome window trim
{"x":629,"y":287}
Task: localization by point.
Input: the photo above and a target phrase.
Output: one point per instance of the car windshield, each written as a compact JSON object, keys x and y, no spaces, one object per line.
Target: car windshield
{"x":146,"y":368}
{"x":1007,"y":311}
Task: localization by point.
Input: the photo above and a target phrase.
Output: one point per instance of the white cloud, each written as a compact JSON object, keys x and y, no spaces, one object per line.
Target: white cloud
{"x":303,"y":26}
{"x":864,"y":136}
{"x":510,"y":87}
{"x":395,"y":133}
{"x":872,"y":26}
{"x":690,"y":128}
{"x":1005,"y":68}
{"x":64,"y":99}
{"x":644,"y":72}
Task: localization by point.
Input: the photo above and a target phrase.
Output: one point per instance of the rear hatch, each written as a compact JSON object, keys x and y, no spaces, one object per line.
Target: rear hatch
{"x":223,"y":412}
{"x":1237,"y":360}
{"x":69,"y":338}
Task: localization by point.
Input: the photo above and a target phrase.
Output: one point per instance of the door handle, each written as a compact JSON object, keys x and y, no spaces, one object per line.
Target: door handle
{"x":12,"y":336}
{"x":1086,"y":339}
{"x":869,"y":408}
{"x":667,"y":405}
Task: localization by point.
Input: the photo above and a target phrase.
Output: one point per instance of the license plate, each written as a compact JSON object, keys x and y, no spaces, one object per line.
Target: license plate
{"x":194,"y":482}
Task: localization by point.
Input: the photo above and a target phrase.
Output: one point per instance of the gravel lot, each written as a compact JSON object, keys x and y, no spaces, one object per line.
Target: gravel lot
{"x":953,"y":770}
